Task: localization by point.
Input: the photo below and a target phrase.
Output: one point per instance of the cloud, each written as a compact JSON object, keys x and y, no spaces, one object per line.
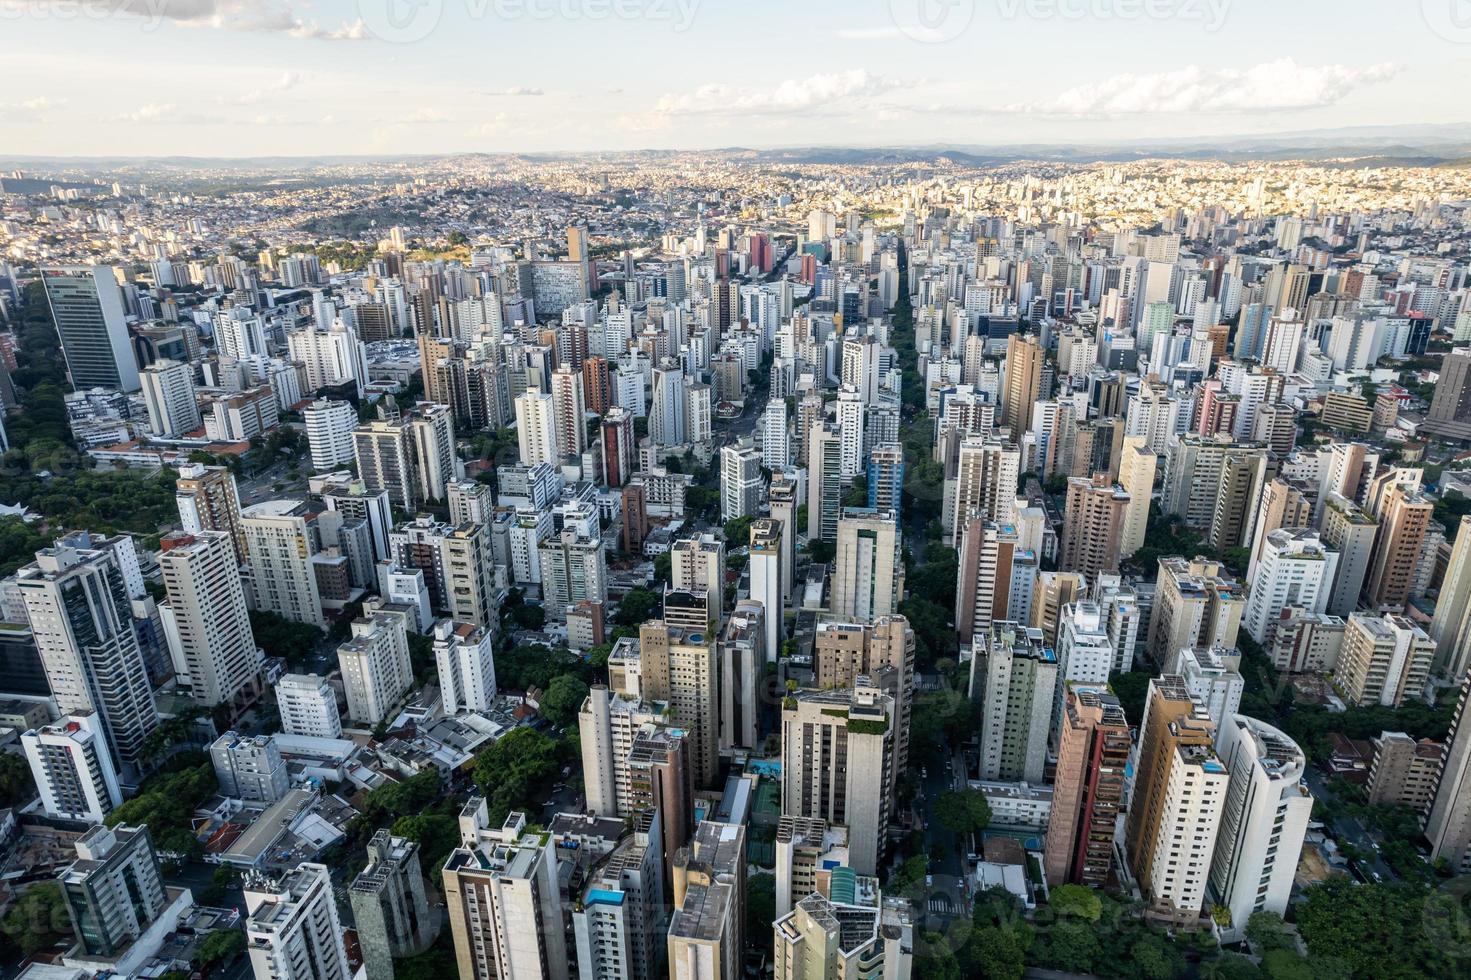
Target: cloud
{"x":260,"y":16}
{"x":515,"y":91}
{"x":30,"y":110}
{"x":794,"y":95}
{"x":1270,"y":86}
{"x":153,"y":112}
{"x":286,"y":81}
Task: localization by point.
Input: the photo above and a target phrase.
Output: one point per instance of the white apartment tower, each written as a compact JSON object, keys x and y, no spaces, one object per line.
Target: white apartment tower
{"x":536,"y":429}
{"x":73,"y":769}
{"x":464,"y":655}
{"x":293,"y":927}
{"x":376,"y":672}
{"x":740,"y":481}
{"x":329,"y":427}
{"x":280,"y":544}
{"x":206,"y":620}
{"x":867,"y":570}
{"x":168,"y":391}
{"x":308,"y":706}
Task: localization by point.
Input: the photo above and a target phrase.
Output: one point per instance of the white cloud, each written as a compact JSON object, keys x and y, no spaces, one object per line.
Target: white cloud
{"x":286,"y":81}
{"x":153,"y":112}
{"x":1270,"y":86}
{"x":30,"y":110}
{"x":264,"y":16}
{"x":791,"y":96}
{"x":514,"y":91}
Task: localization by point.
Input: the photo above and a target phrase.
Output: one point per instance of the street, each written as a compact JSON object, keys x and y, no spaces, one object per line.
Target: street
{"x":1349,"y":830}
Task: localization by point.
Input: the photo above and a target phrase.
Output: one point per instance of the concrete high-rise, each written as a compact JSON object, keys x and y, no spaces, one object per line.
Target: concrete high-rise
{"x":389,"y":907}
{"x":830,"y":939}
{"x":91,"y":322}
{"x":1175,"y":811}
{"x":280,"y":543}
{"x":882,"y":651}
{"x":1195,"y":607}
{"x":1023,"y":385}
{"x":72,"y":768}
{"x":81,"y":618}
{"x":985,"y":589}
{"x":1088,"y":796}
{"x":1450,"y":629}
{"x":1264,"y":820}
{"x":706,"y":939}
{"x":114,"y":890}
{"x":376,"y":671}
{"x":249,"y":768}
{"x":824,"y":482}
{"x":1450,"y":410}
{"x":209,"y":501}
{"x":293,"y":928}
{"x":502,"y":899}
{"x":1406,"y":517}
{"x":838,"y":764}
{"x":1093,"y":526}
{"x":617,"y":923}
{"x":740,"y":481}
{"x":867,"y":570}
{"x":168,"y":391}
{"x":329,"y":433}
{"x":536,"y":429}
{"x":464,"y":655}
{"x":1294,"y":569}
{"x":1351,"y":531}
{"x":1014,"y":678}
{"x":1136,"y":475}
{"x":308,"y":706}
{"x":986,"y":475}
{"x":206,"y":621}
{"x":768,"y":582}
{"x":1448,"y":828}
{"x":1384,"y":661}
{"x":679,"y":667}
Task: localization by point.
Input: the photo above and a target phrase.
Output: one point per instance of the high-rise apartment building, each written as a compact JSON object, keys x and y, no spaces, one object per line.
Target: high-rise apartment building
{"x":678,"y":667}
{"x":569,"y":411}
{"x":502,"y":899}
{"x":389,"y":906}
{"x":1195,"y":607}
{"x":824,"y":482}
{"x":1092,"y":755}
{"x":206,"y":620}
{"x":1406,"y":517}
{"x":1350,"y":531}
{"x":867,"y":570}
{"x":249,"y":768}
{"x":1384,"y":661}
{"x":986,"y":475}
{"x":1264,"y":820}
{"x":308,"y":706}
{"x":769,"y":585}
{"x":329,"y":433}
{"x":465,"y":657}
{"x":114,"y":890}
{"x":618,"y":923}
{"x":886,"y":477}
{"x":831,"y":939}
{"x":1405,"y":772}
{"x":209,"y":501}
{"x":72,"y":768}
{"x":536,"y":429}
{"x":1294,"y":569}
{"x":376,"y":671}
{"x":882,"y":651}
{"x":469,"y":584}
{"x":168,"y":391}
{"x":706,"y":939}
{"x":740,"y":481}
{"x":1175,"y":811}
{"x":293,"y":928}
{"x":838,"y":764}
{"x":1136,"y":475}
{"x":1023,"y":385}
{"x":1093,"y":526}
{"x":1450,"y":410}
{"x":280,"y":543}
{"x":80,"y":612}
{"x":1448,"y":827}
{"x":1014,"y":678}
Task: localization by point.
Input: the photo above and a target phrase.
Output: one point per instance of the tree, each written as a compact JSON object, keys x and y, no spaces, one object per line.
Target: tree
{"x":563,"y":699}
{"x":283,"y":637}
{"x":1076,"y":901}
{"x":638,"y":606}
{"x":998,"y":952}
{"x":963,"y":811}
{"x":821,"y":551}
{"x":1375,"y":930}
{"x":738,"y":531}
{"x":436,"y":834}
{"x":37,"y":919}
{"x":514,"y":768}
{"x":1070,"y":946}
{"x":221,"y":947}
{"x":16,"y":784}
{"x":760,"y":910}
{"x":1266,"y":931}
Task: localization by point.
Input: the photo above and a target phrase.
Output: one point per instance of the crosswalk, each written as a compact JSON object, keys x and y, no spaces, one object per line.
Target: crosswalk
{"x":940,"y":905}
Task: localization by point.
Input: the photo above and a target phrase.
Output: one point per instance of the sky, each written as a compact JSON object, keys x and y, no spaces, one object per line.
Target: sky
{"x":239,"y":78}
